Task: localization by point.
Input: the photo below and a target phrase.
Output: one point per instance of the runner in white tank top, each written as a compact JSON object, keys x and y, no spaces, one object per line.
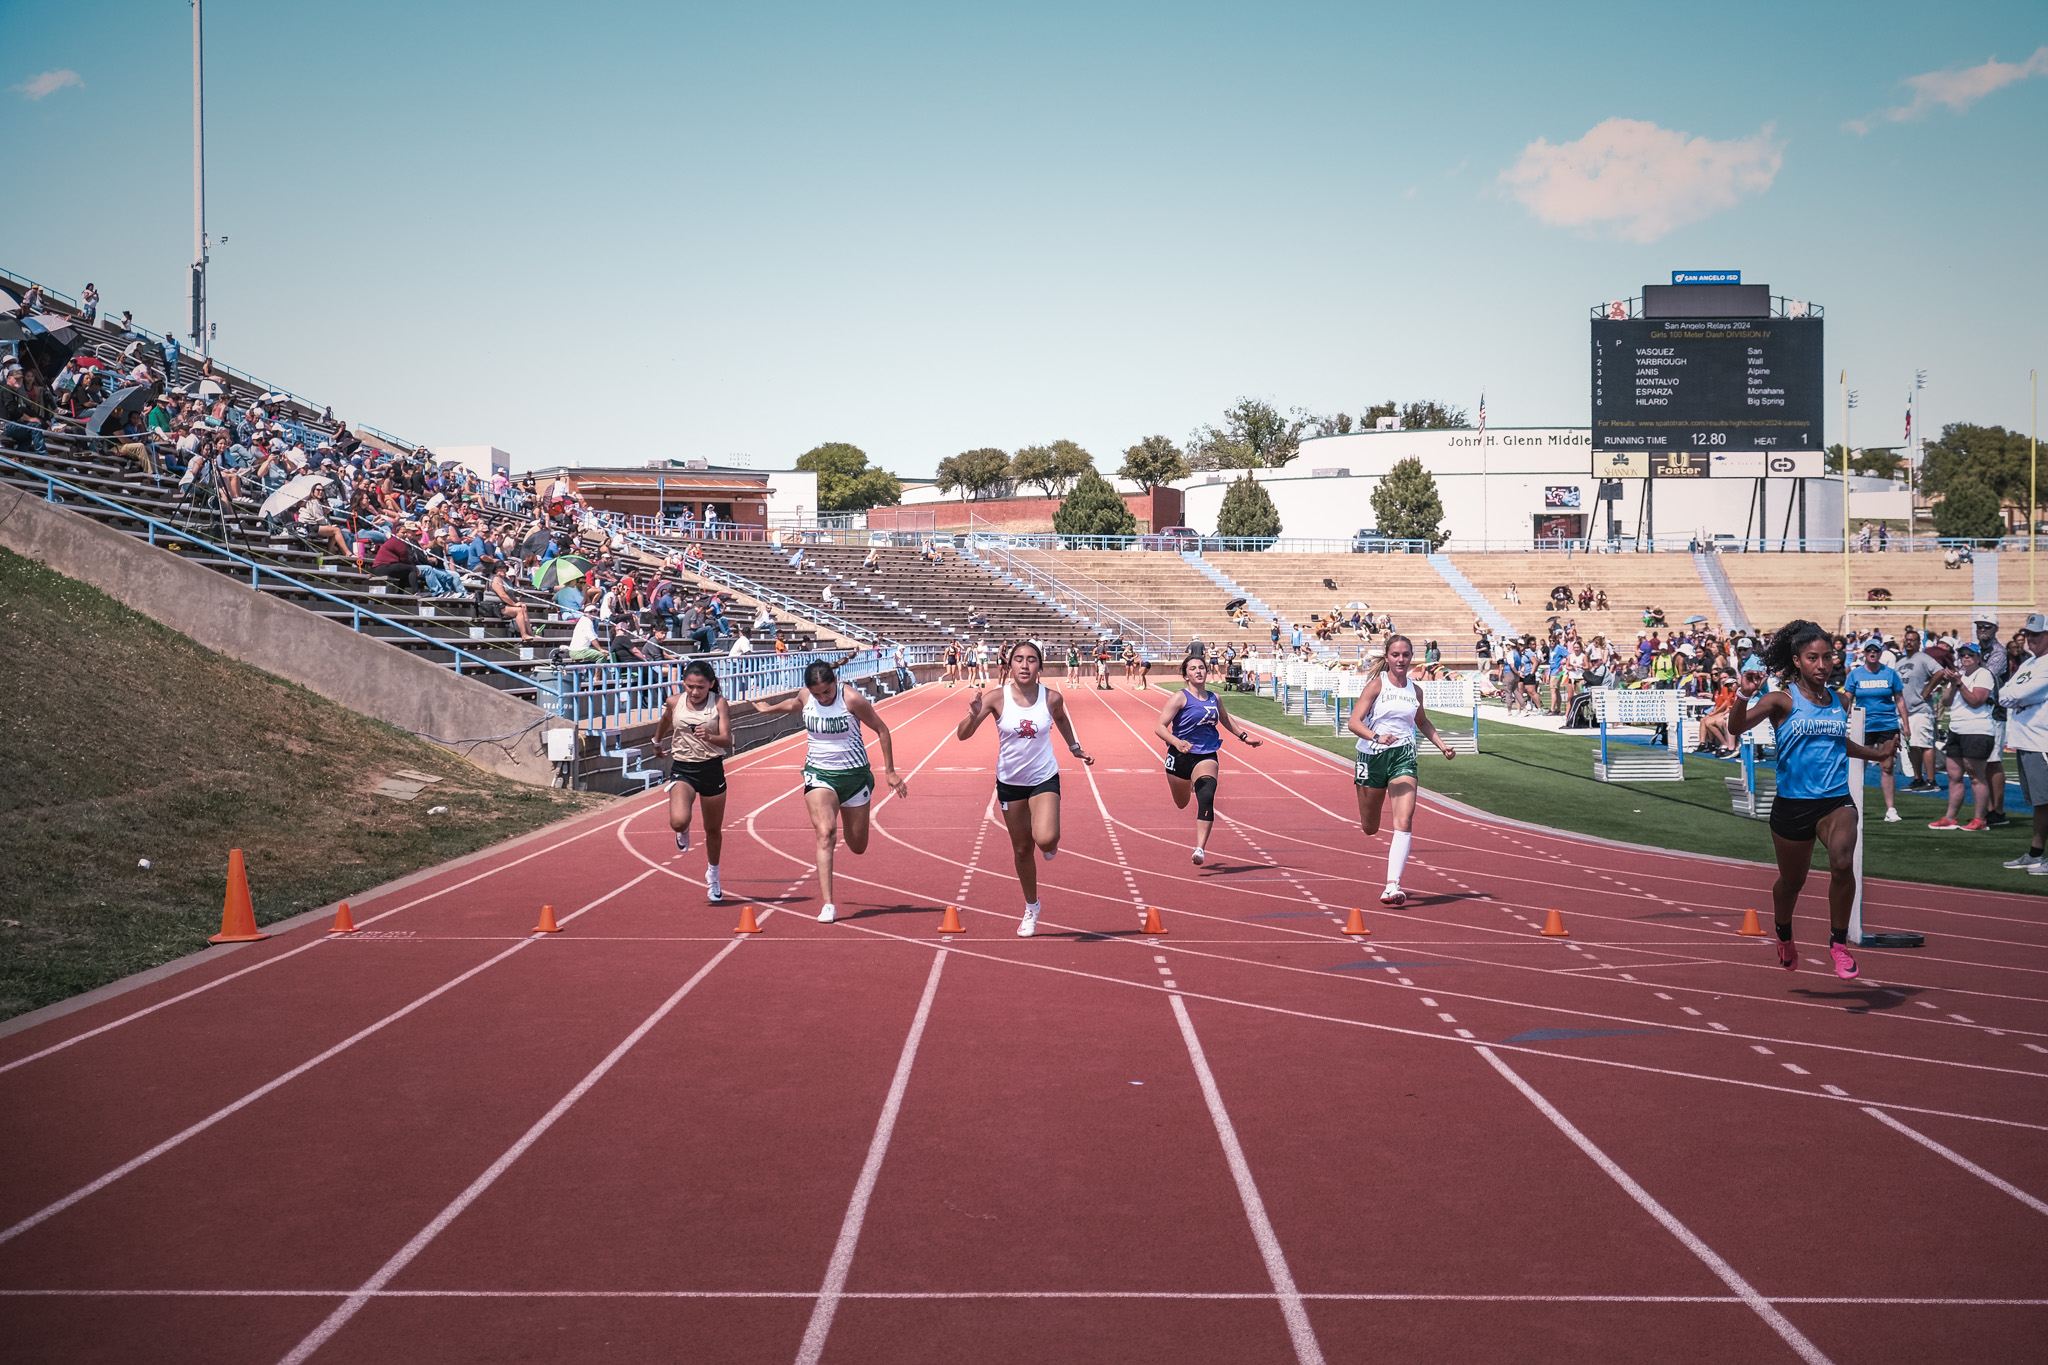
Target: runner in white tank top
{"x":1026,"y":712}
{"x":1385,"y":719}
{"x":837,"y":779}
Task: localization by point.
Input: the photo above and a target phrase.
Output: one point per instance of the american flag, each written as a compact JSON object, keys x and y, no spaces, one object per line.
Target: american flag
{"x":1909,"y":419}
{"x":1482,"y":412}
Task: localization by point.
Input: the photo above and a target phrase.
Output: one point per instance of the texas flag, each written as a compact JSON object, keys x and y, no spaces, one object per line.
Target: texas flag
{"x":1909,"y":423}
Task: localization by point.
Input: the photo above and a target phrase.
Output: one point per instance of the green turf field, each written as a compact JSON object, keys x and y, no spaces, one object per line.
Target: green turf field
{"x":1547,"y":779}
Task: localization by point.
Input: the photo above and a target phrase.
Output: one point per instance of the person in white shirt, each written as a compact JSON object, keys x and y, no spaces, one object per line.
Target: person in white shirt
{"x":740,"y":645}
{"x":583,"y":644}
{"x":2025,"y":696}
{"x":1971,"y":690}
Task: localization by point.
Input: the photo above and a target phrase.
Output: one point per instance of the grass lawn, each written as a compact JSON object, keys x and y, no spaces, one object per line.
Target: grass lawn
{"x":125,"y":740}
{"x":1547,"y":779}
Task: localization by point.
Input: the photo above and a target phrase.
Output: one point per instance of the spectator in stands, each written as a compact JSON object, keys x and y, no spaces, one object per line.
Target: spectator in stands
{"x":91,"y":299}
{"x":18,"y":429}
{"x":441,"y":581}
{"x":397,"y":561}
{"x":764,"y":621}
{"x":584,"y":647}
{"x":830,"y":601}
{"x":665,"y":610}
{"x":698,"y":627}
{"x":170,"y":350}
{"x":1513,"y":595}
{"x":740,"y":645}
{"x":315,"y":522}
{"x":873,"y":560}
{"x":498,"y":602}
{"x":32,"y":302}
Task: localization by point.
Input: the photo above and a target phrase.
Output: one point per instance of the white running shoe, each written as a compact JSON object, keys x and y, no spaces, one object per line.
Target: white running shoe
{"x":828,"y":914}
{"x":1891,"y":815}
{"x":1029,"y":926}
{"x":2024,"y":863}
{"x":1198,"y":857}
{"x":1393,"y":895}
{"x":683,"y":840}
{"x":2039,"y":869}
{"x":713,"y":891}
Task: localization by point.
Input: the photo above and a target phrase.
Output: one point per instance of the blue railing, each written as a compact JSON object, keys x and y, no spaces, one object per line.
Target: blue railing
{"x":604,"y":696}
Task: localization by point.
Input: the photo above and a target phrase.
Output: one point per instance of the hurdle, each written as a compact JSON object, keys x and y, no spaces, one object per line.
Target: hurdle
{"x":1639,"y":706}
{"x":1747,"y":793}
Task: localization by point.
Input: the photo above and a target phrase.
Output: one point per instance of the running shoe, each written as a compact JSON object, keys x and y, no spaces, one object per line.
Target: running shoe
{"x":1198,"y":857}
{"x":1976,"y":826}
{"x":828,"y":914}
{"x":1891,"y":815}
{"x":2024,"y":862}
{"x":1029,"y":925}
{"x":1845,"y":966}
{"x":1788,"y":956}
{"x":2039,"y":869}
{"x":1049,"y":853}
{"x":1393,"y":895}
{"x":1998,"y":819}
{"x":713,"y":891}
{"x":683,"y":840}
{"x":1943,"y":823}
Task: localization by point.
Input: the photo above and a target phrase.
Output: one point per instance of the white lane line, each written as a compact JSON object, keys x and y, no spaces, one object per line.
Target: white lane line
{"x":834,"y":1288}
{"x":175,"y":1140}
{"x":1306,"y":1349}
{"x":1726,"y":1273}
{"x":972,"y":1294}
{"x":356,"y":1301}
{"x":1795,"y":1070}
{"x":2038,"y":1206}
{"x":294,"y":952}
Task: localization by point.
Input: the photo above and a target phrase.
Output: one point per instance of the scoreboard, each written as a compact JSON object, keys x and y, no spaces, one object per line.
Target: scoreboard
{"x":1707,"y":386}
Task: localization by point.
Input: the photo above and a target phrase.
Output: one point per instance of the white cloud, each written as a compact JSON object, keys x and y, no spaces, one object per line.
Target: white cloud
{"x":1638,"y":180}
{"x":1956,"y":90}
{"x":49,"y":83}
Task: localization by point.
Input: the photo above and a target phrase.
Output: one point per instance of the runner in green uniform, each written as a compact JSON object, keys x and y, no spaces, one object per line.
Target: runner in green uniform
{"x":838,"y":783}
{"x":1386,"y":719}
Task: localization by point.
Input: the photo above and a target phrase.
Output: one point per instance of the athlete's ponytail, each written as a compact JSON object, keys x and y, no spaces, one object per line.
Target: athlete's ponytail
{"x":1790,"y":639}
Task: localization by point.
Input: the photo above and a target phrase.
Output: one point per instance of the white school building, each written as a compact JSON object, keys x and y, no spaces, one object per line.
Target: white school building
{"x":1518,"y":485}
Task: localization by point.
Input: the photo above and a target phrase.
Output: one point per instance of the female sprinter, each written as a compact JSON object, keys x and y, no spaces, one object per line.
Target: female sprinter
{"x":837,"y":780}
{"x":1027,"y":769}
{"x":1385,"y":718}
{"x":1189,"y":725}
{"x":700,"y":725}
{"x":1814,"y":749}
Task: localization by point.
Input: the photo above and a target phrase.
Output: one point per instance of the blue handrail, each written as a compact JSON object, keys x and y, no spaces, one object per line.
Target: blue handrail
{"x":51,"y":483}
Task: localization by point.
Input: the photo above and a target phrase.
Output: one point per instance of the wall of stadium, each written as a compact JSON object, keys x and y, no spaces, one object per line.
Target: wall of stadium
{"x":1510,"y":488}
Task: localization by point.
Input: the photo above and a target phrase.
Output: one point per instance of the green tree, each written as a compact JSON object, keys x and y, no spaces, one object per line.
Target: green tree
{"x":1053,"y":468}
{"x":1254,"y":435}
{"x":975,"y":473}
{"x":1876,"y":462}
{"x":1992,"y":456}
{"x":1407,"y":506}
{"x":1371,"y":419}
{"x":1969,"y":510}
{"x":846,"y":482}
{"x":1248,"y":510}
{"x":1431,"y":415}
{"x":1154,"y":462}
{"x":1094,"y":509}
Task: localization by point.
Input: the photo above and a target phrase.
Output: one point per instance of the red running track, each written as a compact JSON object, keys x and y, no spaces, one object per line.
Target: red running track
{"x":1252,"y":1139}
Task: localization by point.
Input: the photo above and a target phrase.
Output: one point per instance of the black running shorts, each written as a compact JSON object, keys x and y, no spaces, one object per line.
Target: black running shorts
{"x":1798,"y":819}
{"x":708,"y":778}
{"x":1182,"y":765}
{"x":1006,"y":792}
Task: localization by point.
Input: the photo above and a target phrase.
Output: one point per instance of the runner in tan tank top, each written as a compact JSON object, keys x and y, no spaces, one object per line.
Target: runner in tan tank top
{"x":698,"y":725}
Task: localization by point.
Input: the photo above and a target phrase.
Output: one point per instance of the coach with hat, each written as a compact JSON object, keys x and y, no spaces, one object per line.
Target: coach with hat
{"x":2025,"y":696}
{"x":1993,"y":654}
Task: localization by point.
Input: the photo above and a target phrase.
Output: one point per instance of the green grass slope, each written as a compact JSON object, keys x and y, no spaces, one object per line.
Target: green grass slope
{"x":1547,"y":779}
{"x":124,"y":740}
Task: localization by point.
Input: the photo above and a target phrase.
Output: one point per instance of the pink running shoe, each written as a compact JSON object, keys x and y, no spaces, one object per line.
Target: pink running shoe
{"x":1975,"y":826}
{"x":1788,"y":956}
{"x":1943,"y":823}
{"x":1845,"y":966}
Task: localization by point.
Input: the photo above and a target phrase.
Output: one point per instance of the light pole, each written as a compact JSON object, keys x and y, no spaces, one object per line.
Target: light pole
{"x":199,"y":329}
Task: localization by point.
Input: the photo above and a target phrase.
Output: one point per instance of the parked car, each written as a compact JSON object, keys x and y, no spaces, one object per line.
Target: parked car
{"x":1179,"y":538}
{"x":1368,"y":540}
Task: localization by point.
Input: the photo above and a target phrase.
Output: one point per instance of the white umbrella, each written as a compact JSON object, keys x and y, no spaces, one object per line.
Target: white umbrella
{"x":295,"y":491}
{"x":209,"y":388}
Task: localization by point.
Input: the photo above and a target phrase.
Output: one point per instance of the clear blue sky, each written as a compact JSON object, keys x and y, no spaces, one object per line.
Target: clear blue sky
{"x":629,"y":230}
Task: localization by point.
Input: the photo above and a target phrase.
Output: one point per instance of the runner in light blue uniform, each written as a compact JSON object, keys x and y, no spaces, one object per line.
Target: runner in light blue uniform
{"x":1811,"y":721}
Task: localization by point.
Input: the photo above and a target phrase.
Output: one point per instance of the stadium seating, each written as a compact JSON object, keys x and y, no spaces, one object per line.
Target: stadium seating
{"x":1405,"y":587}
{"x":1776,"y":588}
{"x":1632,"y":582}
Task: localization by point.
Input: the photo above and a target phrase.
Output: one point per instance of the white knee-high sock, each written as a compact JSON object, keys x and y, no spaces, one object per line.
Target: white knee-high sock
{"x":1397,"y":854}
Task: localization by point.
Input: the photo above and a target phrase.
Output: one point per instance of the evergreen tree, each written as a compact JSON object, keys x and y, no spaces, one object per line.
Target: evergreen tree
{"x":1969,"y":511}
{"x":1094,"y":509}
{"x":1248,"y":511}
{"x":1407,"y":506}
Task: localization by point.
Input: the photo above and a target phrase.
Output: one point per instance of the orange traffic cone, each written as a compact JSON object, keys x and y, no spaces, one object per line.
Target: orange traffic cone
{"x":1553,"y":926}
{"x":1152,"y":924}
{"x":344,"y":923}
{"x":237,"y":912}
{"x":547,"y":923}
{"x":746,"y":924}
{"x":949,"y":923}
{"x":1750,"y":926}
{"x":1356,"y":925}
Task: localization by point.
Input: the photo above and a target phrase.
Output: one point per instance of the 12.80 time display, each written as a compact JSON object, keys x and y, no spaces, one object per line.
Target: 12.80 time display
{"x":1664,"y":384}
